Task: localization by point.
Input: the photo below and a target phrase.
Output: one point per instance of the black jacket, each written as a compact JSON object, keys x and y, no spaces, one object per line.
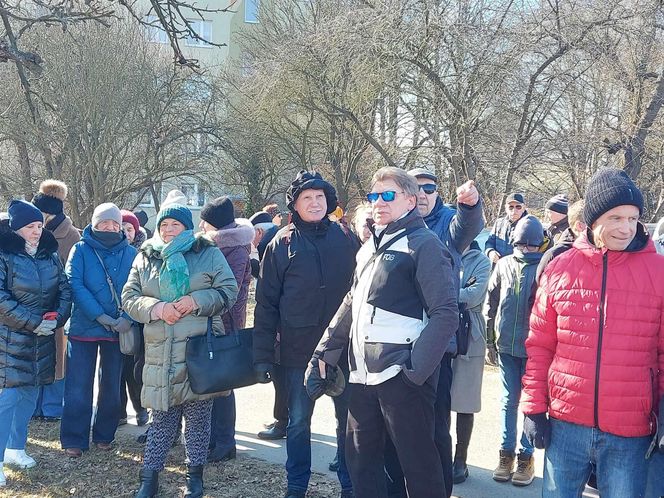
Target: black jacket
{"x":305,"y":274}
{"x":38,"y":285}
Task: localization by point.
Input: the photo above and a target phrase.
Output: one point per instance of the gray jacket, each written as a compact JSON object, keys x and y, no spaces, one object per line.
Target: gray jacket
{"x":475,"y":265}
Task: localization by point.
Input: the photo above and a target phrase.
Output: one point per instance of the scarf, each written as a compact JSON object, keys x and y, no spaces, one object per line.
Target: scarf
{"x":174,"y":273}
{"x":55,"y":222}
{"x":108,"y":239}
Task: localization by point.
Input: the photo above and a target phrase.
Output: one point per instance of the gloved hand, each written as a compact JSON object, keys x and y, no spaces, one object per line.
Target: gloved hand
{"x":107,"y":322}
{"x":315,"y":382}
{"x":46,"y":327}
{"x":537,"y":428}
{"x":264,"y":372}
{"x":660,"y":426}
{"x":123,"y":325}
{"x":491,"y":355}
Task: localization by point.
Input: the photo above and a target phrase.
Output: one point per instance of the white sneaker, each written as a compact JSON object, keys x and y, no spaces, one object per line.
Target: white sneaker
{"x":3,"y":479}
{"x":19,"y":458}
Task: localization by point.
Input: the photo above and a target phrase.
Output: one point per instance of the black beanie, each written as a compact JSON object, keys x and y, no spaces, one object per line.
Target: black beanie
{"x":306,"y":180}
{"x":558,"y":203}
{"x":609,"y":188}
{"x":219,"y":212}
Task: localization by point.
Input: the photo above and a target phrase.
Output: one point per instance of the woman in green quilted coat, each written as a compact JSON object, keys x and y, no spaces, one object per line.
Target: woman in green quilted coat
{"x":178,"y":282}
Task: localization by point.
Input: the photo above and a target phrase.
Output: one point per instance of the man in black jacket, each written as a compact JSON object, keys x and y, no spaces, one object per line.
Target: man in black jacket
{"x":306,"y":272}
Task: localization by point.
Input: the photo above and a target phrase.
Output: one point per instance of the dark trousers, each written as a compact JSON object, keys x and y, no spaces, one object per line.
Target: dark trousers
{"x":222,"y":438}
{"x":406,"y":414}
{"x":79,"y":390}
{"x":443,"y":439}
{"x":128,"y":383}
{"x":280,"y":396}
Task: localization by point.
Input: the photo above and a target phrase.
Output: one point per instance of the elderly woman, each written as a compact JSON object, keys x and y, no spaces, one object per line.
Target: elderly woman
{"x":97,"y":268}
{"x":177,"y":283}
{"x":35,"y":299}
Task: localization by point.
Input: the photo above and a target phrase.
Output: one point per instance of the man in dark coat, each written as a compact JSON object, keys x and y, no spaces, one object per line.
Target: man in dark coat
{"x":498,"y":244}
{"x":306,"y":272}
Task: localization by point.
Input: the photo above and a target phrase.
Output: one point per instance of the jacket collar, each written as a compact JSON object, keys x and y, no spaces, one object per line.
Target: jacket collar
{"x":319,"y":227}
{"x":240,"y":233}
{"x":200,"y":243}
{"x":640,"y":243}
{"x":13,"y":243}
{"x":412,"y":220}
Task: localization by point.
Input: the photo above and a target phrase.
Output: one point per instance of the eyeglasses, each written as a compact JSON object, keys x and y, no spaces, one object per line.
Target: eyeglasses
{"x":517,"y":207}
{"x":387,"y":196}
{"x":428,"y":188}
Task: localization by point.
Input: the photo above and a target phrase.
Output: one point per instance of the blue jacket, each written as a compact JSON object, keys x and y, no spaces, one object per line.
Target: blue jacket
{"x":499,"y":238}
{"x":456,"y":229}
{"x":92,"y":296}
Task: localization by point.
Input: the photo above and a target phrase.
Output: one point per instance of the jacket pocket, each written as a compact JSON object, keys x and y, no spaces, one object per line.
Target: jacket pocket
{"x":386,"y":327}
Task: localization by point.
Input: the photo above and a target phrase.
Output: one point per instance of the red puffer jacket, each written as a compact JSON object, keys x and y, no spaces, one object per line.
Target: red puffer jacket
{"x":596,"y":342}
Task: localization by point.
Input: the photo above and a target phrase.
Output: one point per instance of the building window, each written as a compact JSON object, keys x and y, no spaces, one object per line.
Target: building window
{"x":251,"y":10}
{"x":155,"y":32}
{"x":203,"y":29}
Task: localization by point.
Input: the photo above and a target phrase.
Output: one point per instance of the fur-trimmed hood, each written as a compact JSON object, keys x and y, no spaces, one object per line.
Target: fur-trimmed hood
{"x":200,"y":243}
{"x":240,"y":233}
{"x":11,"y":242}
{"x":140,"y":237}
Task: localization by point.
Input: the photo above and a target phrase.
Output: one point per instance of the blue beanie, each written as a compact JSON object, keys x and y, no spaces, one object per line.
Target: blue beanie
{"x":22,"y":213}
{"x":177,"y":212}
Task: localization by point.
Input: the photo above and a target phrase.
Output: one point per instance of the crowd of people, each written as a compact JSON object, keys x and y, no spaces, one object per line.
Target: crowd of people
{"x":393,"y":313}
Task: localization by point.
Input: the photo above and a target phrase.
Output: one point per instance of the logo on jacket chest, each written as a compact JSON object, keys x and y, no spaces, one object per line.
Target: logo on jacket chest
{"x":388,"y":257}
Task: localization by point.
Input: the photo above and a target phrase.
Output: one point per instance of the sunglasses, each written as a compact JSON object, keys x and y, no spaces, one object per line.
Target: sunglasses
{"x":387,"y":196}
{"x":429,"y":188}
{"x":518,"y":207}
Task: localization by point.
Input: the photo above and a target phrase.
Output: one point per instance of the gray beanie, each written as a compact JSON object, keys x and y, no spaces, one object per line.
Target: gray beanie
{"x":528,"y":231}
{"x":106,"y":211}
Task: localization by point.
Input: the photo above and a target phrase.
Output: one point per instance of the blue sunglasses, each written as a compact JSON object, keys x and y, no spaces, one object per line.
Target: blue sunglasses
{"x":387,"y":196}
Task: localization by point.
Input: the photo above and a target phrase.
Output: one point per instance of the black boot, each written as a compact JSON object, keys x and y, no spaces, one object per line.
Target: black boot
{"x":194,"y":478}
{"x":464,"y":431}
{"x":149,"y":484}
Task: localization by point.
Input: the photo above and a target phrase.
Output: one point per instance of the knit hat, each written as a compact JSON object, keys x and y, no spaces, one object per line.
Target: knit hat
{"x":515,"y":197}
{"x":106,"y":211}
{"x":219,"y":212}
{"x":51,"y":196}
{"x":260,"y":217}
{"x":609,"y":188}
{"x":272,"y":210}
{"x":22,"y":213}
{"x":423,"y":173}
{"x":129,"y":217}
{"x":528,"y":231}
{"x":142,"y":217}
{"x":306,"y":180}
{"x":558,"y":203}
{"x":175,"y":197}
{"x":177,"y":212}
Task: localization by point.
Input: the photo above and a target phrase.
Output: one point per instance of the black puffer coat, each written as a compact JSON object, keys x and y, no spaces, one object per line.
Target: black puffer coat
{"x":38,"y":285}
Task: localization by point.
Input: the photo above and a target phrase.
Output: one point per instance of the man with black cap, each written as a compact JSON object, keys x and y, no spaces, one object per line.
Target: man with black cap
{"x":498,"y":244}
{"x":556,"y":213}
{"x":306,"y":272}
{"x":50,"y":201}
{"x":456,"y":227}
{"x":593,"y":380}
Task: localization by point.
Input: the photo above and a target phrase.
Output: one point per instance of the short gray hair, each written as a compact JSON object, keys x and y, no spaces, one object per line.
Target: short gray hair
{"x":406,"y":182}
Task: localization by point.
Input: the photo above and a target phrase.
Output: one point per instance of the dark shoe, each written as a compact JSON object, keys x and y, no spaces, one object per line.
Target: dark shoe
{"x":194,"y":477}
{"x":149,"y":484}
{"x":293,"y":493}
{"x":142,"y":417}
{"x":275,"y":432}
{"x":73,"y":452}
{"x":104,"y":446}
{"x":215,"y":456}
{"x":143,"y":438}
{"x":459,"y":472}
{"x":122,"y":421}
{"x":334,"y":464}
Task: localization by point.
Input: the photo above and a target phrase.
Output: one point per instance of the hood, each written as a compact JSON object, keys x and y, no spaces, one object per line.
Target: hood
{"x":13,"y":243}
{"x":311,"y":180}
{"x":239,"y":233}
{"x":528,"y":231}
{"x":200,"y":243}
{"x":94,"y":243}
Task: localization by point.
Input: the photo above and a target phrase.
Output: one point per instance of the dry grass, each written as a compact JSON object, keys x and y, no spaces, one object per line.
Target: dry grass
{"x":115,"y":474}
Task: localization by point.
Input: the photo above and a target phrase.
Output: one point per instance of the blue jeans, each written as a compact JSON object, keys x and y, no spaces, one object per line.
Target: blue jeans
{"x":655,"y":485}
{"x":512,"y":369}
{"x":620,"y":462}
{"x":222,"y":438}
{"x":298,"y":442}
{"x":79,"y":390}
{"x":17,"y":405}
{"x":50,"y":400}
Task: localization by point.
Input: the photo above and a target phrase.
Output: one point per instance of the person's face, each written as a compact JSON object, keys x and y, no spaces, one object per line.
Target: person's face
{"x":129,"y":231}
{"x":362,"y":225}
{"x":526,"y":248}
{"x":386,"y":212}
{"x":514,"y":210}
{"x":108,"y":226}
{"x":277,"y":220}
{"x":169,"y":229}
{"x":311,"y":205}
{"x":616,"y":228}
{"x":31,"y":233}
{"x":554,"y":217}
{"x":47,"y":217}
{"x":206,"y":227}
{"x":426,"y":202}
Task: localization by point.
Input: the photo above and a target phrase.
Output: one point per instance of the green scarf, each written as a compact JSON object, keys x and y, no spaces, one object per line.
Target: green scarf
{"x":174,"y":273}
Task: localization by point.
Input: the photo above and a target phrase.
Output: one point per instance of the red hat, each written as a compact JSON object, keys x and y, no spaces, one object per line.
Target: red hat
{"x":129,"y":217}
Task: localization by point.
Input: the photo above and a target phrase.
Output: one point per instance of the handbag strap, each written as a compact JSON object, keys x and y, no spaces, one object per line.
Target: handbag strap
{"x":230,"y":315}
{"x":109,"y":281}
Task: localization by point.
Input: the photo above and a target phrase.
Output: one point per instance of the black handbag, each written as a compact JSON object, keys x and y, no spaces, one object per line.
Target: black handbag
{"x":465,"y":326}
{"x":220,"y":362}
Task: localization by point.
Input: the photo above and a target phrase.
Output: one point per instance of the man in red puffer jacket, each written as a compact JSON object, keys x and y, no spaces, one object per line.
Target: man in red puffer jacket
{"x":596,"y":349}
